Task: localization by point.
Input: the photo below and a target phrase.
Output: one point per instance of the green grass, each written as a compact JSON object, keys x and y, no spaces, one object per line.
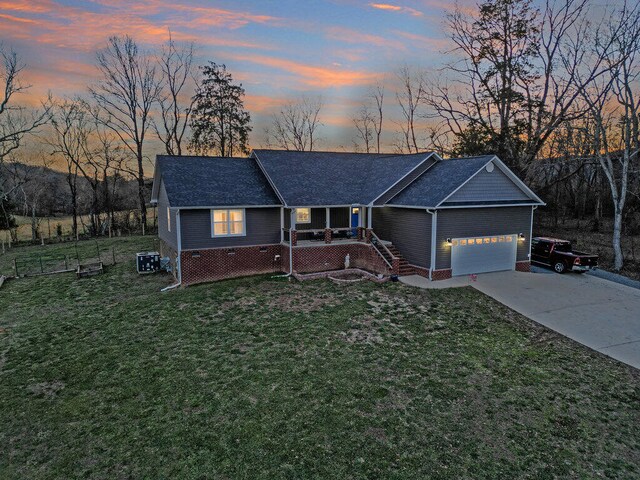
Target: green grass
{"x":106,"y":377}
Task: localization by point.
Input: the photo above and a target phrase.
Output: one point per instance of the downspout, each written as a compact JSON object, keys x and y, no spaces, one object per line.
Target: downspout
{"x":291,"y":220}
{"x":434,"y":230}
{"x":178,"y":261}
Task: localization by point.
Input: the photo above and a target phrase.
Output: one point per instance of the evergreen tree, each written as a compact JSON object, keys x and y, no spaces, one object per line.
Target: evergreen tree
{"x":220,"y":124}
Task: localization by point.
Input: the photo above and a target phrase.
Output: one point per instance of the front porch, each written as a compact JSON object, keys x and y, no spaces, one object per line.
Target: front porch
{"x":340,"y":230}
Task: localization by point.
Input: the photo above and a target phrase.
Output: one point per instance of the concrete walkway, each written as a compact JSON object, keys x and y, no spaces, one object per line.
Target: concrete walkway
{"x":598,"y":313}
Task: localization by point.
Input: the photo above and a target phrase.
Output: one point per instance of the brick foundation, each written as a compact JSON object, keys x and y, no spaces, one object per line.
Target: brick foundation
{"x":523,"y":266}
{"x":331,"y":257}
{"x":441,"y":274}
{"x":219,"y":263}
{"x":209,"y":265}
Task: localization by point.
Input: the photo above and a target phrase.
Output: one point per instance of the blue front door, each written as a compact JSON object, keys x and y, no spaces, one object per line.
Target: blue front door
{"x":355,"y":212}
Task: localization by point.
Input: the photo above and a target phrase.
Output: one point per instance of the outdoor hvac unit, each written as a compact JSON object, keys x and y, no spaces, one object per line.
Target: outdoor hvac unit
{"x":147,"y":262}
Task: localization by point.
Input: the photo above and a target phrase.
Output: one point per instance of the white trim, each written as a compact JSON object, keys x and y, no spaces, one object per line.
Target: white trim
{"x":168,"y":218}
{"x":296,"y":214}
{"x":223,"y":207}
{"x":281,"y":224}
{"x":321,"y":206}
{"x":533,"y":208}
{"x":504,"y":170}
{"x":513,"y":177}
{"x":369,"y":218}
{"x":225,"y":235}
{"x":449,"y":207}
{"x":179,"y":241}
{"x":264,"y":172}
{"x":406,"y":175}
{"x":434,"y":233}
{"x":327,"y":219}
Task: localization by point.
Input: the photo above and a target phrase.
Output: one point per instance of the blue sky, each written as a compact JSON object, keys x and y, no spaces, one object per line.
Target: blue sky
{"x":279,"y":50}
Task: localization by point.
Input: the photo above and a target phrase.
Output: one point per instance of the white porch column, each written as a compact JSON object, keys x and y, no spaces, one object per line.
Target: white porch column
{"x":327,"y":221}
{"x":370,"y":218}
{"x":281,"y":224}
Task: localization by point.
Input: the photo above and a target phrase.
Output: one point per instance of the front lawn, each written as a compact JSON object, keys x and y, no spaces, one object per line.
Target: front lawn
{"x":107,"y":378}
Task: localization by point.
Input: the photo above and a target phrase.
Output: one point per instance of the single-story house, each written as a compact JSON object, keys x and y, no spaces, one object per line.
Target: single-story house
{"x":301,"y":212}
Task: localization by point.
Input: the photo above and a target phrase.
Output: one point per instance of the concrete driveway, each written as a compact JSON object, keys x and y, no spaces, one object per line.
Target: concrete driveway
{"x":598,"y":313}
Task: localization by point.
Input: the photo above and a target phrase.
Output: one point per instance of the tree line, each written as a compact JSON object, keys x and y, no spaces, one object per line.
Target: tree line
{"x":548,"y":89}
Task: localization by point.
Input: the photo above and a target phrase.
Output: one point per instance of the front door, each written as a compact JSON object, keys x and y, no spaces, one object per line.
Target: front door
{"x":355,"y":212}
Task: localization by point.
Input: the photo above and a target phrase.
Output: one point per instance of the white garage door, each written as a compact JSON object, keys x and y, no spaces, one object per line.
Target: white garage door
{"x":483,"y":254}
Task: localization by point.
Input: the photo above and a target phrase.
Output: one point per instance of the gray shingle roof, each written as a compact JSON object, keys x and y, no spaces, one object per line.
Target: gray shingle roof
{"x":214,"y":181}
{"x":439,"y":181}
{"x":334,"y":178}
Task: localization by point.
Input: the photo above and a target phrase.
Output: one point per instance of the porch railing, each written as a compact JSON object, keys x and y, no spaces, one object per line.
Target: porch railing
{"x":380,"y":247}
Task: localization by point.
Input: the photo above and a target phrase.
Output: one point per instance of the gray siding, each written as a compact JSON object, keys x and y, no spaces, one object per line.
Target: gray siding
{"x":263,"y":228}
{"x":169,"y":237}
{"x":489,"y":186}
{"x":318,"y":220}
{"x":467,"y":222}
{"x":393,"y":191}
{"x":408,"y":229}
{"x":340,"y":217}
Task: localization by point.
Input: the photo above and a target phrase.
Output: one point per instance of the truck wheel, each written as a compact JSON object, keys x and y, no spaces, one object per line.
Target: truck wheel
{"x":560,"y":267}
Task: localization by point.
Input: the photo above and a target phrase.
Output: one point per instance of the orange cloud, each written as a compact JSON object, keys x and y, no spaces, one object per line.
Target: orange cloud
{"x":312,"y":75}
{"x":396,"y":8}
{"x":353,"y":36}
{"x":434,"y":43}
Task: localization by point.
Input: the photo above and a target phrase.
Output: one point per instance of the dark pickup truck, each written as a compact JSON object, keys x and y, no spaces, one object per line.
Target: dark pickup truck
{"x":558,"y":254}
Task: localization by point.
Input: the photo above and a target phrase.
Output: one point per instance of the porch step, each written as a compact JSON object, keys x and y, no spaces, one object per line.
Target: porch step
{"x":404,"y":267}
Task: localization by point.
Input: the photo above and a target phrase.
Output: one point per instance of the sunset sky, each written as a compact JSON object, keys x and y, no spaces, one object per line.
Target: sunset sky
{"x":279,"y":49}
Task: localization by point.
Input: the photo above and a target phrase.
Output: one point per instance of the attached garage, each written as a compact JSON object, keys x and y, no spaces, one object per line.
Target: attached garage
{"x":483,"y":254}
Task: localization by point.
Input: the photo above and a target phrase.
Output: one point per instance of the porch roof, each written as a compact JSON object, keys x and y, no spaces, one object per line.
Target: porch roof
{"x":334,"y":178}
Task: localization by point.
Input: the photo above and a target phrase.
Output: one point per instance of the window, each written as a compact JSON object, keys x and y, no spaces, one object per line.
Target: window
{"x":355,"y":210}
{"x":303,"y":215}
{"x":226,"y":223}
{"x":168,"y":219}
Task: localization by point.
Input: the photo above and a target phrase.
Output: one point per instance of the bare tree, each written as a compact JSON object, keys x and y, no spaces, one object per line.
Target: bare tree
{"x":129,"y":88}
{"x":614,"y":104}
{"x":365,"y":124}
{"x":410,"y":97}
{"x":378,"y":96}
{"x":294,"y":127}
{"x":72,"y":129}
{"x":176,"y":103}
{"x":518,"y":77}
{"x":15,"y":121}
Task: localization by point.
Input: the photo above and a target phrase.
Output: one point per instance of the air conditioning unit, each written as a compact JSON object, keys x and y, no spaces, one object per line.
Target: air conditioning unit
{"x":147,"y":262}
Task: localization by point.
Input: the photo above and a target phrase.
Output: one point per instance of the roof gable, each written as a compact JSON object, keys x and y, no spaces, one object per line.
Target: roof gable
{"x":334,"y":178}
{"x":489,"y":184}
{"x":192,"y":181}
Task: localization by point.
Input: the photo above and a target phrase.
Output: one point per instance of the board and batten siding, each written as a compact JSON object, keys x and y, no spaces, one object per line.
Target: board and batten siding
{"x":398,"y":187}
{"x":408,"y":229}
{"x":262,"y":228}
{"x":469,"y":222}
{"x":489,"y":186}
{"x":168,"y":236}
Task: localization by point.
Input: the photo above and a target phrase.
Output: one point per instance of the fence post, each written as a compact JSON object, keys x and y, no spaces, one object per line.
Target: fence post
{"x":113,"y":254}
{"x":41,"y":269}
{"x":15,"y":266}
{"x":98,"y":250}
{"x":77,"y":254}
{"x":66,"y":262}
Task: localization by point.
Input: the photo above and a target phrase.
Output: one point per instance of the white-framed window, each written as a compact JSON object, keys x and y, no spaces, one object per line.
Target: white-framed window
{"x":228,"y":223}
{"x":303,"y":215}
{"x":168,"y":219}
